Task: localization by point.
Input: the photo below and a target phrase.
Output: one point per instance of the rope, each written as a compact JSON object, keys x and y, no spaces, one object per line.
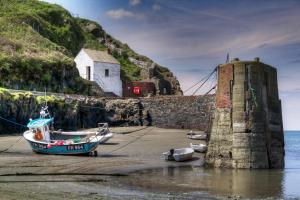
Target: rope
{"x":205,"y":81}
{"x":200,"y":80}
{"x":210,"y":90}
{"x":86,"y":160}
{"x":13,"y":122}
{"x":195,"y":84}
{"x":127,"y":132}
{"x":122,"y":147}
{"x":13,"y":144}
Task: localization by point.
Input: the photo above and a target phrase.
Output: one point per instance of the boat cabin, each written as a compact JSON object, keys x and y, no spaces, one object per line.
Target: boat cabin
{"x":41,"y":129}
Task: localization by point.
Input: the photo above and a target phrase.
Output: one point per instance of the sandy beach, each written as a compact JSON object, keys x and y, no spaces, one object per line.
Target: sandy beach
{"x":26,"y":174}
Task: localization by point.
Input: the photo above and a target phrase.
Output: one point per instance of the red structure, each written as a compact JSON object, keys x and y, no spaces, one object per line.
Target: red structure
{"x":136,"y":90}
{"x":225,"y":74}
{"x":139,"y":89}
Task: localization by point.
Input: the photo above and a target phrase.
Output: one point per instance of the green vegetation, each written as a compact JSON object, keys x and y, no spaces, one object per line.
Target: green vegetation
{"x":48,"y":99}
{"x":3,"y":91}
{"x":38,"y":42}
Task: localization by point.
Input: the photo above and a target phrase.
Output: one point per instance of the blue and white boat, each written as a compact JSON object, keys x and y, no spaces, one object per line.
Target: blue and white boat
{"x":43,"y":139}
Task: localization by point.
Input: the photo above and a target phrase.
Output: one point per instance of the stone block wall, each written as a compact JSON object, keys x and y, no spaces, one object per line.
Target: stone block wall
{"x":74,"y":112}
{"x":189,"y":112}
{"x":247,"y":131}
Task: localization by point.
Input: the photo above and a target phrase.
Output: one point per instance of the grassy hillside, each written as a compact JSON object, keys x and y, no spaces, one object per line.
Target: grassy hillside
{"x":38,"y":42}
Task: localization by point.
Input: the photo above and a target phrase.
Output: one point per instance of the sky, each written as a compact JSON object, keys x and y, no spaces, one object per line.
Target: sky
{"x":191,"y":37}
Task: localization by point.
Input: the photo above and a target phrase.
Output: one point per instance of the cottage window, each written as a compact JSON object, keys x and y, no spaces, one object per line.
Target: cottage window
{"x":106,"y":72}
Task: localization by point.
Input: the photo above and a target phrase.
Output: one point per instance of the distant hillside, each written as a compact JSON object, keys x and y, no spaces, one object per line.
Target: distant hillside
{"x":38,"y":42}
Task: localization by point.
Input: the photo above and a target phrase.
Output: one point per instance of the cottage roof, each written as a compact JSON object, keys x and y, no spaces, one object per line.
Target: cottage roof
{"x":100,"y":56}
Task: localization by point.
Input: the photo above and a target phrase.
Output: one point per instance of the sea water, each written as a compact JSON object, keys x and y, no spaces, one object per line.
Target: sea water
{"x":253,"y":184}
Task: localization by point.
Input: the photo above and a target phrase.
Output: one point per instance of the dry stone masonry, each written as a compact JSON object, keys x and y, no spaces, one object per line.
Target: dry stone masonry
{"x":75,"y":112}
{"x":247,"y":130}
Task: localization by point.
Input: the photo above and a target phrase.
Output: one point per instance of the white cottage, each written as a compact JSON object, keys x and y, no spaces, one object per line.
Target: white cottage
{"x":100,"y":67}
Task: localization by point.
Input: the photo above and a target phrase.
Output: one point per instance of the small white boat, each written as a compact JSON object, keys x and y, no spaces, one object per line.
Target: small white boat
{"x":106,"y":137}
{"x":201,"y":148}
{"x":105,"y":132}
{"x":179,"y":155}
{"x":197,"y":136}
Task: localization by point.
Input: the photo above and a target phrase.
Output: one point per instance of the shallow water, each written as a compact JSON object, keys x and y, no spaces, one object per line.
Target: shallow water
{"x":219,"y":182}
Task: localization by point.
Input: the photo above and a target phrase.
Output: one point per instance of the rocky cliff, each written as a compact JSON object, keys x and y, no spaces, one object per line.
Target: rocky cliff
{"x":38,"y":42}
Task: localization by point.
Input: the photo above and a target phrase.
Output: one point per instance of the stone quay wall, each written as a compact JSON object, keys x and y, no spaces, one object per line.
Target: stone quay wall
{"x":247,"y":130}
{"x":77,"y":112}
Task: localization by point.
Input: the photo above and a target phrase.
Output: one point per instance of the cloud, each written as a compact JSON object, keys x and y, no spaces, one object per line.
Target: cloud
{"x":134,"y":2}
{"x":119,"y":13}
{"x":156,"y":7}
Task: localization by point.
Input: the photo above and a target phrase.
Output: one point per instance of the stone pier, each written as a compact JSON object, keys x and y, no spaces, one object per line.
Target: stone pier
{"x":247,"y":130}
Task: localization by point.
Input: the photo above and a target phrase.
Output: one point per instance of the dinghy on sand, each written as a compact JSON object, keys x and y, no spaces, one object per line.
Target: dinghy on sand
{"x":179,"y":155}
{"x":104,"y":131}
{"x":197,"y":136}
{"x":201,"y":148}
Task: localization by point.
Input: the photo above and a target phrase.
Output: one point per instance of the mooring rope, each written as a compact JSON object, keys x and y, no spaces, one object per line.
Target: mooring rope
{"x":13,"y":122}
{"x":121,"y":147}
{"x":138,"y":138}
{"x":214,"y":87}
{"x":205,"y":77}
{"x":208,"y":77}
{"x":13,"y":144}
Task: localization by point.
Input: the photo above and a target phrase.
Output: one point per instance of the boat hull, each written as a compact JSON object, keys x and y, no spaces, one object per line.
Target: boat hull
{"x":198,"y":137}
{"x":179,"y":155}
{"x":81,"y":148}
{"x":106,"y":137}
{"x":199,"y":148}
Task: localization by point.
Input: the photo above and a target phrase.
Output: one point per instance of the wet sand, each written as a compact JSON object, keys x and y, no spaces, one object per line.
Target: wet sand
{"x":27,"y":175}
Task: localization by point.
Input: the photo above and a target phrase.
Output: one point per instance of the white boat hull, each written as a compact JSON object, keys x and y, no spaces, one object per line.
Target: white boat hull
{"x":198,"y":137}
{"x":200,"y":148}
{"x":180,"y":155}
{"x":106,"y":137}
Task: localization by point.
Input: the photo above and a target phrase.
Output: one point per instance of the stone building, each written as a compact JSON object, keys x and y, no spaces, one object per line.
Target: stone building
{"x":100,"y":67}
{"x":247,"y":130}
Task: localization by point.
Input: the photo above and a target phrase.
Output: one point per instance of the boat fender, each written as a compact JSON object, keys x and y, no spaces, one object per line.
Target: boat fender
{"x":49,"y":146}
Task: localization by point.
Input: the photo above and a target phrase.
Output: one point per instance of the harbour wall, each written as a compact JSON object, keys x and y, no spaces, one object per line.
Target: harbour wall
{"x":247,"y":130}
{"x":77,"y":112}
